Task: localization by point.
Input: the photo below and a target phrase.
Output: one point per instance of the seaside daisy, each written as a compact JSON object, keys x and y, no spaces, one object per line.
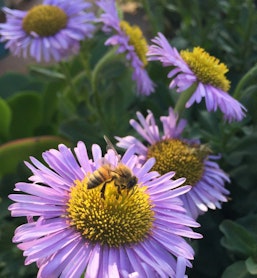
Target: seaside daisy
{"x":200,"y":71}
{"x":48,"y":31}
{"x":187,"y":158}
{"x":130,"y":41}
{"x":130,"y":221}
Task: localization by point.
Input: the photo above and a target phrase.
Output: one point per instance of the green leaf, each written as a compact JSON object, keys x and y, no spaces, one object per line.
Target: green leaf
{"x":50,"y":101}
{"x":47,"y":73}
{"x":14,"y":152}
{"x":11,"y":83}
{"x":236,"y":270}
{"x":249,"y":221}
{"x":26,"y":114}
{"x":246,"y":146}
{"x":78,"y":129}
{"x":11,"y":259}
{"x":66,"y":107}
{"x":5,"y":118}
{"x":237,"y":238}
{"x":243,"y":180}
{"x":114,"y":70}
{"x":251,"y":266}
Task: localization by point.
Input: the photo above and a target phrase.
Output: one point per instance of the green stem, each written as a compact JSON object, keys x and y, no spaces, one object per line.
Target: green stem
{"x":89,"y":104}
{"x":84,"y":55}
{"x":68,"y":79}
{"x":75,"y":81}
{"x":239,"y":88}
{"x":151,"y":16}
{"x":107,"y":58}
{"x":183,"y":99}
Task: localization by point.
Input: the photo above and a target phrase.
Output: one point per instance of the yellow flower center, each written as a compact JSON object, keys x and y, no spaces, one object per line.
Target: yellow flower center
{"x":44,"y":20}
{"x":116,"y":219}
{"x":136,"y":39}
{"x":207,"y":68}
{"x":184,"y":159}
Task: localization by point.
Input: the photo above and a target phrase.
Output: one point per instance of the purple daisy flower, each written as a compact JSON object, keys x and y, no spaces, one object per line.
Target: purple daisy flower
{"x":129,"y":40}
{"x":87,"y":220}
{"x":51,"y":30}
{"x":187,"y":158}
{"x":199,"y":68}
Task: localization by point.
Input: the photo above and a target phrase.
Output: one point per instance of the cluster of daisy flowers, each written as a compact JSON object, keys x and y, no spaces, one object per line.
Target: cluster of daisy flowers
{"x":54,"y":30}
{"x":113,"y":215}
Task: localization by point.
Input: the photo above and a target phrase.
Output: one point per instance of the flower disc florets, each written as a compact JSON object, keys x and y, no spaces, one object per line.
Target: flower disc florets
{"x":136,"y":39}
{"x":116,"y":219}
{"x":207,"y":68}
{"x":183,"y":158}
{"x":44,"y":20}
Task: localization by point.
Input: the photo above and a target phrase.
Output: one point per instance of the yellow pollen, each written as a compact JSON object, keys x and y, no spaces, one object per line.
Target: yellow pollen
{"x":136,"y":39}
{"x":44,"y":20}
{"x":207,"y":68}
{"x":115,"y":220}
{"x":184,"y":159}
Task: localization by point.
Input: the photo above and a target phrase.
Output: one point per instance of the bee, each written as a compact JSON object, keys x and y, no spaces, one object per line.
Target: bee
{"x":121,"y":175}
{"x":202,"y":151}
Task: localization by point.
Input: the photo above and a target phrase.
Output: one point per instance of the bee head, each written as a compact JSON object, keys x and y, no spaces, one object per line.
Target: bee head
{"x":132,"y":182}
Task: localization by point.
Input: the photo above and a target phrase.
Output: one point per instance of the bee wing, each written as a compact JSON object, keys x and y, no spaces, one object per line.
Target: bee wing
{"x":103,"y":162}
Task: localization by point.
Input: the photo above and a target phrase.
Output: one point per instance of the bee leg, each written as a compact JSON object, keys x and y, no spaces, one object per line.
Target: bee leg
{"x":103,"y":190}
{"x":119,"y":191}
{"x":131,"y":191}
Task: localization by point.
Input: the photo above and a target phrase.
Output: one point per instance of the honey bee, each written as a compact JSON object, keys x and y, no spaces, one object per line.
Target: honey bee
{"x":202,"y":150}
{"x":121,"y":175}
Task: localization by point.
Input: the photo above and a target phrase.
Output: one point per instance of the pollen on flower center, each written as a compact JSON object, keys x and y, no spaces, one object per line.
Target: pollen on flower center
{"x":115,"y":220}
{"x":207,"y":68}
{"x":174,"y":155}
{"x":44,"y":20}
{"x":136,"y":39}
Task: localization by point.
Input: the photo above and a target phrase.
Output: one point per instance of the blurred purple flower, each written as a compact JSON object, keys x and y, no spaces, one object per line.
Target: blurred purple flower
{"x":199,"y":68}
{"x":129,"y":40}
{"x":49,"y":31}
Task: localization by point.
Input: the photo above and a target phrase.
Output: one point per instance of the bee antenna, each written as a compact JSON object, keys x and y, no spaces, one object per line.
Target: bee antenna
{"x":107,"y":140}
{"x":110,"y":146}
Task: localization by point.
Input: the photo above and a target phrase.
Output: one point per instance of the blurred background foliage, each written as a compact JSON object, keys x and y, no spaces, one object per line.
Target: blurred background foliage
{"x":55,"y":104}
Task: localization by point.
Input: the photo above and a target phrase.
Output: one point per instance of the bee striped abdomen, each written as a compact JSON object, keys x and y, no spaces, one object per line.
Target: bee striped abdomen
{"x":98,"y":177}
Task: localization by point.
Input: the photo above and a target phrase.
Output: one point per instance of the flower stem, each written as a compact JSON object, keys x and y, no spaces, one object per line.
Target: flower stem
{"x":66,"y":72}
{"x":78,"y":79}
{"x":183,"y":99}
{"x":107,"y":58}
{"x":152,"y":17}
{"x":239,"y":88}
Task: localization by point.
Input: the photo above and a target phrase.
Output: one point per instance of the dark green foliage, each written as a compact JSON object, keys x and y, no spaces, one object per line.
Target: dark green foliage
{"x":80,"y":100}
